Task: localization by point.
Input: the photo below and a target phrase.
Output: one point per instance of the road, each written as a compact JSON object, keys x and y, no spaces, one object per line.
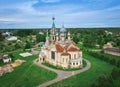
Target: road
{"x":61,"y":74}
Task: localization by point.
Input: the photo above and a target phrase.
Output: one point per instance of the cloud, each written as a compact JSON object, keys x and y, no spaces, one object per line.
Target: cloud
{"x":33,"y":13}
{"x":12,"y":20}
{"x":50,"y":1}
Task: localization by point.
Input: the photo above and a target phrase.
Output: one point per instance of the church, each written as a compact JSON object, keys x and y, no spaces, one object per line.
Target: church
{"x":59,"y":50}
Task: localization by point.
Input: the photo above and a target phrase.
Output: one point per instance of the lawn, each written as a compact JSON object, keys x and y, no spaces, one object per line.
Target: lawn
{"x":37,"y":48}
{"x":85,"y":79}
{"x":26,"y":75}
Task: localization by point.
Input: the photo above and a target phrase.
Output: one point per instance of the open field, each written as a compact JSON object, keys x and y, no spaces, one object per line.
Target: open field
{"x":87,"y":78}
{"x":26,"y":75}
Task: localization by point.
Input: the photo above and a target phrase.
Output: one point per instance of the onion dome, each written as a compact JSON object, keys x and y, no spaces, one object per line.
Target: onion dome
{"x":68,"y":34}
{"x":62,"y":34}
{"x":56,"y":34}
{"x":53,"y":25}
{"x":63,"y":30}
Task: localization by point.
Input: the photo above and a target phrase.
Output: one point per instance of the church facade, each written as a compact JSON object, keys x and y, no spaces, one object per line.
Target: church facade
{"x":60,"y":50}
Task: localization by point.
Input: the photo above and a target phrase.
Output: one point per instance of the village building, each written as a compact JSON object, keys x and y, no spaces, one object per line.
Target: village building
{"x":6,"y":59}
{"x":41,"y":33}
{"x":108,"y":33}
{"x":11,"y":38}
{"x":108,"y":45}
{"x":113,"y":51}
{"x":6,"y":33}
{"x":60,"y":50}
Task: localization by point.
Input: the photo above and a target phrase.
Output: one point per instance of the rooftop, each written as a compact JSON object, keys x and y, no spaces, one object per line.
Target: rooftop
{"x":65,"y":54}
{"x":116,"y":50}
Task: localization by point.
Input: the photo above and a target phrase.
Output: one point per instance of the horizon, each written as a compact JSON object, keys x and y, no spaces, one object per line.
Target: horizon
{"x":24,"y":14}
{"x":60,"y":27}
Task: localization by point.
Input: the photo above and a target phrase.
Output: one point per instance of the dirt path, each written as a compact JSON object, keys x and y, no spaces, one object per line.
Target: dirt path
{"x":61,"y":74}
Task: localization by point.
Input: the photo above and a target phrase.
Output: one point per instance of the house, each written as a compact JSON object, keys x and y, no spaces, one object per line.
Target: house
{"x":113,"y":51}
{"x":108,"y":33}
{"x":6,"y":33}
{"x":41,"y":33}
{"x":60,"y":50}
{"x":11,"y":38}
{"x":6,"y":59}
{"x":19,"y":41}
{"x":108,"y":45}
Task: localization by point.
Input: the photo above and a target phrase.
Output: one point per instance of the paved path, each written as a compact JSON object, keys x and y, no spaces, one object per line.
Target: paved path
{"x":61,"y":74}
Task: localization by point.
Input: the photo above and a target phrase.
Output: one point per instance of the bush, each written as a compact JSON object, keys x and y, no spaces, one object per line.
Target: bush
{"x":118,"y":64}
{"x":102,"y":81}
{"x":112,"y":61}
{"x":104,"y":58}
{"x":94,"y":85}
{"x":28,"y":45}
{"x":115,"y":73}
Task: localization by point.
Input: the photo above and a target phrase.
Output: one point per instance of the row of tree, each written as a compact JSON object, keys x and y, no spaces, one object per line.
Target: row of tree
{"x":104,"y":80}
{"x":107,"y":81}
{"x":105,"y":58}
{"x":1,"y":37}
{"x":92,"y":37}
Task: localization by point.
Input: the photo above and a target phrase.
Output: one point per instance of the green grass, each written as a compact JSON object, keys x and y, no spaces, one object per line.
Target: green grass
{"x":116,"y":83}
{"x":59,"y":68}
{"x":26,"y":75}
{"x":37,"y":49}
{"x":85,"y":79}
{"x":2,"y":64}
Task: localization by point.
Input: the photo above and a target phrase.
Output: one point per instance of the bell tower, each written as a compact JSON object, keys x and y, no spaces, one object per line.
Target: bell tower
{"x":47,"y":39}
{"x":69,"y":36}
{"x":53,"y":31}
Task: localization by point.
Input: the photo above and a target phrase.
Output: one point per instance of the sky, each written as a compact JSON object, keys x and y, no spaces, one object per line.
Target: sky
{"x":71,"y":13}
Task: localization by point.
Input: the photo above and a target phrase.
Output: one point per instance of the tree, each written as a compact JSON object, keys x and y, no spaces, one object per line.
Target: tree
{"x":40,"y":38}
{"x":115,"y":73}
{"x":112,"y":61}
{"x":94,"y":85}
{"x":89,"y":41}
{"x":1,"y":37}
{"x":118,"y":63}
{"x":28,"y":45}
{"x":118,"y":42}
{"x":23,"y":33}
{"x":103,"y":81}
{"x":75,"y":39}
{"x":18,"y":45}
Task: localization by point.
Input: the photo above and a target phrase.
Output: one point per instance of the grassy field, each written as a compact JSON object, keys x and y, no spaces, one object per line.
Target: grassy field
{"x":26,"y":75}
{"x":37,"y":49}
{"x":85,"y":79}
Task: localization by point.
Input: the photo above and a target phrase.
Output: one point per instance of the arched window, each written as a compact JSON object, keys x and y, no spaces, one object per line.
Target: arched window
{"x":74,"y":56}
{"x":53,"y":55}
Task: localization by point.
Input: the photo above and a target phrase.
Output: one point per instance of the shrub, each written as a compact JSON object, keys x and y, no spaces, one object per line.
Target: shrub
{"x":118,"y":64}
{"x":115,"y":73}
{"x":112,"y":61}
{"x":103,"y":81}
